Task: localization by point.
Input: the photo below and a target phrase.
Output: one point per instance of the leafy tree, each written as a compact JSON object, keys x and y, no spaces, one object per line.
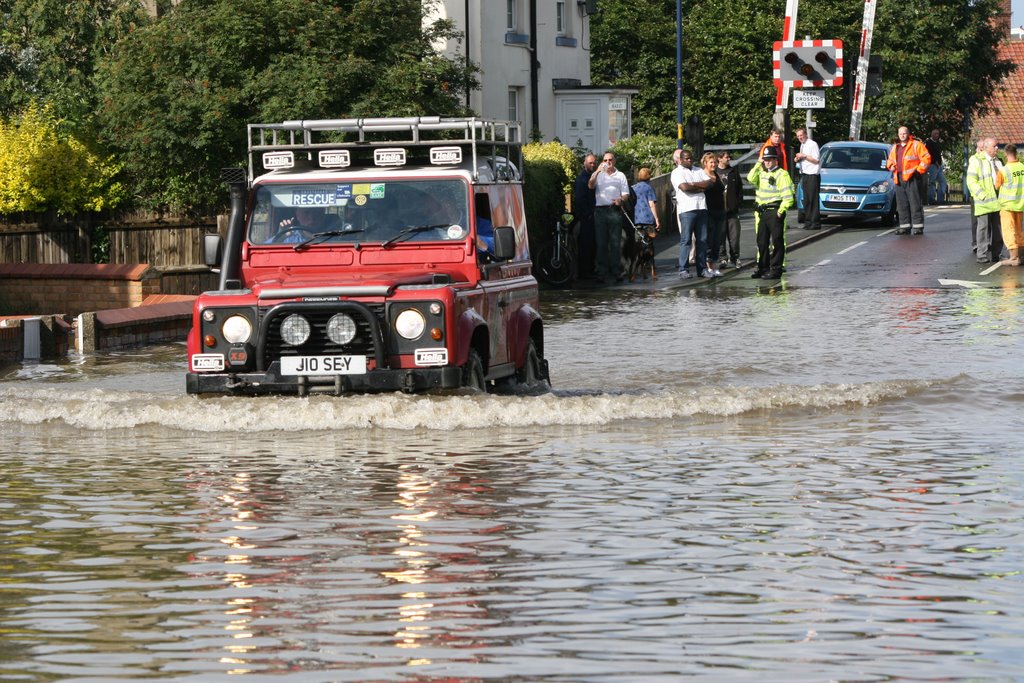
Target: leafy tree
{"x":49,"y":48}
{"x":940,"y":60}
{"x":177,"y":94}
{"x":43,"y":166}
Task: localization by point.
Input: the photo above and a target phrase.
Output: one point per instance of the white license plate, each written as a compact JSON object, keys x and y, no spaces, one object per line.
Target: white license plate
{"x":323,"y":365}
{"x":844,"y":198}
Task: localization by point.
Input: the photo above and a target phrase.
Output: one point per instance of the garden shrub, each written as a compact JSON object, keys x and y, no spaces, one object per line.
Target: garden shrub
{"x":44,"y":167}
{"x":549,"y":171}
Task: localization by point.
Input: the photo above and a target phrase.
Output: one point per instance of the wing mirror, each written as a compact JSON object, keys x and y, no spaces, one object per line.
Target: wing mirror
{"x":504,"y":242}
{"x":212,"y":250}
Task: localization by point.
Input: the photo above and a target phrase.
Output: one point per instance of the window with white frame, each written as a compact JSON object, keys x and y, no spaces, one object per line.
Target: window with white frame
{"x":512,"y":15}
{"x":561,"y":18}
{"x":513,"y":104}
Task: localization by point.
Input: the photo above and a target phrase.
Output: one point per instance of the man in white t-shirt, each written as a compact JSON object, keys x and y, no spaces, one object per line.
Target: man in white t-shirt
{"x":810,"y":178}
{"x":611,"y":189}
{"x":690,"y":183}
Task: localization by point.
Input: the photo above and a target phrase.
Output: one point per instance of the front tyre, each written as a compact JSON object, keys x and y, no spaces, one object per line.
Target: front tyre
{"x":555,"y":268}
{"x":889,"y":219}
{"x":473,"y":372}
{"x":533,"y":376}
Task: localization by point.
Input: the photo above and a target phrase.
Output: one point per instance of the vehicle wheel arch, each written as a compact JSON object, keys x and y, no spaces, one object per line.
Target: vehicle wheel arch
{"x":473,"y":334}
{"x":528,"y":325}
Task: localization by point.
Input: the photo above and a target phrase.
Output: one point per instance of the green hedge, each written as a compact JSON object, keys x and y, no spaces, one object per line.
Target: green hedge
{"x":548,"y":174}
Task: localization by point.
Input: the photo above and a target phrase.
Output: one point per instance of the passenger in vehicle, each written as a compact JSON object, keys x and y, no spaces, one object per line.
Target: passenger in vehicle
{"x":484,"y":228}
{"x":306,"y":221}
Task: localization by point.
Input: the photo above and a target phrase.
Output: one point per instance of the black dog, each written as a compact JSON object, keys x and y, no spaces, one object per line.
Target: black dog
{"x":640,"y":249}
{"x":642,"y":258}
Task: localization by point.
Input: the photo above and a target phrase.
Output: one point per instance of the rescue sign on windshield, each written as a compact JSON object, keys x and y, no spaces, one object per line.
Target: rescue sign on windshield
{"x":325,"y":195}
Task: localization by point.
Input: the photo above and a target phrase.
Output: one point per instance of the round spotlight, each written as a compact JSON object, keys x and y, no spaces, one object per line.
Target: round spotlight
{"x":295,"y":330}
{"x":341,"y":329}
{"x":410,"y":324}
{"x":236,"y":329}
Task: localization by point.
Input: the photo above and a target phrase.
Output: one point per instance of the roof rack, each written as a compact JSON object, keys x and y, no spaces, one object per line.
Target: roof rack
{"x":484,"y":138}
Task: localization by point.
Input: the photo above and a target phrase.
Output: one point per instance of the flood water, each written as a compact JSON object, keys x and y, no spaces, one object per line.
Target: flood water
{"x":797,"y":485}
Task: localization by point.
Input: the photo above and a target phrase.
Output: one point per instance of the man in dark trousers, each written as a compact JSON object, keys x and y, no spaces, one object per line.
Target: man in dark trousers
{"x":909,"y":160}
{"x":583,"y":207}
{"x":773,"y":196}
{"x":808,"y":158}
{"x":937,"y":186}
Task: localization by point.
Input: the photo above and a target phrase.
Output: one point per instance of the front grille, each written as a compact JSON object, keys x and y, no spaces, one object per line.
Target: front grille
{"x":318,"y":344}
{"x":842,"y":189}
{"x":848,"y":206}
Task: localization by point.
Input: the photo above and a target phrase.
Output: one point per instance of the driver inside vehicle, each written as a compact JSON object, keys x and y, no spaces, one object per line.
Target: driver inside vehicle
{"x":307,"y":221}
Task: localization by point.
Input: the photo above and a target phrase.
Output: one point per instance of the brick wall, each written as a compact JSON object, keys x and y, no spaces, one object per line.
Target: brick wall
{"x":54,"y":341}
{"x":11,"y":344}
{"x":74,"y":288}
{"x":129,"y":328}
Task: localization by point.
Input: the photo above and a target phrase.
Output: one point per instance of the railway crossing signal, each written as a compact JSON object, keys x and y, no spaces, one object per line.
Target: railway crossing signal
{"x":808,"y":63}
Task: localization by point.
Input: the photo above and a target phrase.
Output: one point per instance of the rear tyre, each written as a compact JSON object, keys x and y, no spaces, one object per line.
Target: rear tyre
{"x":473,"y":372}
{"x":533,"y":375}
{"x":555,"y":269}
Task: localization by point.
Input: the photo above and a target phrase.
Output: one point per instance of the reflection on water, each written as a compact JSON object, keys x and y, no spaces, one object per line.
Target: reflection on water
{"x":786,"y":501}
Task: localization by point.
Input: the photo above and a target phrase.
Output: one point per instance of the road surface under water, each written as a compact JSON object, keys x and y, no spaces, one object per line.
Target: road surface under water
{"x":797,"y":485}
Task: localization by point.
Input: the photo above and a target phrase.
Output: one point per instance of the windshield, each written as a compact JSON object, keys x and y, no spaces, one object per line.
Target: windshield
{"x":377,"y":212}
{"x":860,"y":158}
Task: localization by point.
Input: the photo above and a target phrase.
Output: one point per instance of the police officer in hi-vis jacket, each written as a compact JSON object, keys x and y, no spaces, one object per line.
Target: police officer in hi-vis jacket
{"x":773,"y":196}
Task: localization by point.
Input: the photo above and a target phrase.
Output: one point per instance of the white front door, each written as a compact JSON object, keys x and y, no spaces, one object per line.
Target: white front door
{"x":578,"y":124}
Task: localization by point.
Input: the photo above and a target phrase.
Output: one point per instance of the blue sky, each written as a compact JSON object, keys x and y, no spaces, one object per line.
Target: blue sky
{"x":1017,"y":11}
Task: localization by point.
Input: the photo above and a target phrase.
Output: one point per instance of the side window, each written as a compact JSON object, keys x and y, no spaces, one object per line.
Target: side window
{"x":261,"y":218}
{"x":484,"y":226}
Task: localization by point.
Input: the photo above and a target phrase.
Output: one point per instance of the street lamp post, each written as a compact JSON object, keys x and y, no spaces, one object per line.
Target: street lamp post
{"x":679,"y":74}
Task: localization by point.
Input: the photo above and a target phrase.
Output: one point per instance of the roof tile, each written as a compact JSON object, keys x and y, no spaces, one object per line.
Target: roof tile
{"x":1006,"y":121}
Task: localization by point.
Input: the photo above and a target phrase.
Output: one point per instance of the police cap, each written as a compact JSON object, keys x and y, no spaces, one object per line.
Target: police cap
{"x":770,"y":152}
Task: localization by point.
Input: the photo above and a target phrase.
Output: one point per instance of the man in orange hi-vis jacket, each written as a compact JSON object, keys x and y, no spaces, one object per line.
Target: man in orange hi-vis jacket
{"x":775,"y":140}
{"x":909,"y":160}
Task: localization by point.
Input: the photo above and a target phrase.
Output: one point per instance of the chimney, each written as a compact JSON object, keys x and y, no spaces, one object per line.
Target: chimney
{"x":1002,"y":18}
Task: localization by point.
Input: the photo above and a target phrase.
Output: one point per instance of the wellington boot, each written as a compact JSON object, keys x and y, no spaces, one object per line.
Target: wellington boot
{"x":1014,"y":259}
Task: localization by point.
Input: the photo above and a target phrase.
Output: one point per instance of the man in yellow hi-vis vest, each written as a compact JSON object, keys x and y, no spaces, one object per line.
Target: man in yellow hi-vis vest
{"x":1010,"y":183}
{"x":981,"y":181}
{"x":773,"y":196}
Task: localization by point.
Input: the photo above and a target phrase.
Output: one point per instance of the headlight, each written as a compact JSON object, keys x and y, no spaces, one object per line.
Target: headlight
{"x":236,"y":329}
{"x":410,"y":324}
{"x":879,"y":187}
{"x":341,"y":329}
{"x":295,"y":330}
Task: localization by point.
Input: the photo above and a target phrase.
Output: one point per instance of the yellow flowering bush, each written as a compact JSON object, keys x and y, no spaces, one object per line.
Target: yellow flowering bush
{"x":44,"y":168}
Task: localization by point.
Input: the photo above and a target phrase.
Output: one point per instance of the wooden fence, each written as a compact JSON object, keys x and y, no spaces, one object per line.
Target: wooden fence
{"x":138,"y":239}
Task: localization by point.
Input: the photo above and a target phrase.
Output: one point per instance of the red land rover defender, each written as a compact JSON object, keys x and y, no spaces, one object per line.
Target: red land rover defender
{"x":372,"y":255}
